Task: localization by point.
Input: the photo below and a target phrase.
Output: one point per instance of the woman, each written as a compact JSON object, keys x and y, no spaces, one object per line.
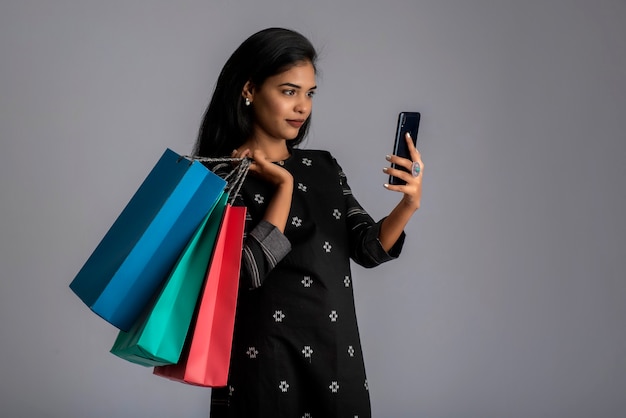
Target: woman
{"x":296,"y":349}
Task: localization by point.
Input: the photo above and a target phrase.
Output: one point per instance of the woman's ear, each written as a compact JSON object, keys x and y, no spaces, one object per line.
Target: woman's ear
{"x":248,"y":92}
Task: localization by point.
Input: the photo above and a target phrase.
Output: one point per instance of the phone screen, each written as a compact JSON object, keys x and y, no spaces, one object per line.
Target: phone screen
{"x":407,"y":122}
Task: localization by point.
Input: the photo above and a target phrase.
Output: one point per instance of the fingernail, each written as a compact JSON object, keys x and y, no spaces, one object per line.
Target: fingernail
{"x":408,"y":135}
{"x":385,"y":169}
{"x":388,"y":157}
{"x":386,"y":186}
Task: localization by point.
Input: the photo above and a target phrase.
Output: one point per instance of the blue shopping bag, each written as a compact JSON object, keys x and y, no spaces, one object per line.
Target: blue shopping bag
{"x":127,"y":268}
{"x":158,"y":336}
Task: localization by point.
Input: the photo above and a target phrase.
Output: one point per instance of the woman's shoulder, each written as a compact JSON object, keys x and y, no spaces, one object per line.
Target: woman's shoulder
{"x":312,"y":154}
{"x":315,"y":159}
{"x":320,"y":155}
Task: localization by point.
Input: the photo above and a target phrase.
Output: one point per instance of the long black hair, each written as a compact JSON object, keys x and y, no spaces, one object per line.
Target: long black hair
{"x":227,"y":122}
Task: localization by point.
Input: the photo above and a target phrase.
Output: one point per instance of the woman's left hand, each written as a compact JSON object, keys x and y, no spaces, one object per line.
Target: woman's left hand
{"x":393,"y":225}
{"x":413,"y":188}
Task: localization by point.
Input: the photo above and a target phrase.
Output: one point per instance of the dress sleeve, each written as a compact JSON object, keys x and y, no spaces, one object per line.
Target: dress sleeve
{"x":263,"y":248}
{"x":365,"y":247}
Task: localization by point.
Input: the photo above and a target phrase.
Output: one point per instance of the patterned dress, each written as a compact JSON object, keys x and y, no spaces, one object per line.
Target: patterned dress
{"x":296,"y":350}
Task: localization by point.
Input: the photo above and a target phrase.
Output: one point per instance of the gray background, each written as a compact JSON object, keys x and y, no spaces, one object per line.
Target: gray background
{"x":509,"y":299}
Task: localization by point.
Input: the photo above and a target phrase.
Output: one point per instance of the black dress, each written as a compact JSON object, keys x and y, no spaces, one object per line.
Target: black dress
{"x":296,"y":348}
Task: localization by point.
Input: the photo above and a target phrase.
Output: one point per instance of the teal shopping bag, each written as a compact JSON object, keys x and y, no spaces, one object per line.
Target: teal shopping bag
{"x":157,"y":338}
{"x":129,"y":265}
{"x":205,"y":358}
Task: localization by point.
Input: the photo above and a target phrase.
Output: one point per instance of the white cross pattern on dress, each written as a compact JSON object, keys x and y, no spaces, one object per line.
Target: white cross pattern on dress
{"x":259,"y":199}
{"x":346,"y":281}
{"x":327,"y":247}
{"x":306,"y":162}
{"x":301,"y":187}
{"x":307,"y":281}
{"x":284,"y":386}
{"x":295,"y":221}
{"x":252,"y":352}
{"x":279,"y":316}
{"x":333,"y":316}
{"x":337,"y":214}
{"x":307,"y":351}
{"x":334,"y":386}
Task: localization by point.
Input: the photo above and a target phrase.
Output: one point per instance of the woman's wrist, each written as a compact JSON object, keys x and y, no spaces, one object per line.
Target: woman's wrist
{"x":286,"y":182}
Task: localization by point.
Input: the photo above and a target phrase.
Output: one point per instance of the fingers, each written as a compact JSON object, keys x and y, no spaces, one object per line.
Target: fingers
{"x":240,"y":153}
{"x":264,"y":167}
{"x":416,"y":157}
{"x":399,"y":162}
{"x":408,"y":170}
{"x":397,"y":173}
{"x":412,"y":189}
{"x":415,"y":154}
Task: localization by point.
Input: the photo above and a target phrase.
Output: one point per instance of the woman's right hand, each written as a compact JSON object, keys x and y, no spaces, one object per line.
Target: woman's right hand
{"x":277,"y":210}
{"x":265,"y":169}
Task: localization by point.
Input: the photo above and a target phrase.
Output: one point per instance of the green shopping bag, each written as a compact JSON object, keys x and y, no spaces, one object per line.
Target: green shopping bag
{"x":158,"y":336}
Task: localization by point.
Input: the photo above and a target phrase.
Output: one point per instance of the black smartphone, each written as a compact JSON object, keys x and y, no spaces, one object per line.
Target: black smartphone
{"x":407,"y":122}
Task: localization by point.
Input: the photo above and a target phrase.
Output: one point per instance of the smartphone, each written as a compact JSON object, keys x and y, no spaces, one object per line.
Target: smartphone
{"x":407,"y":122}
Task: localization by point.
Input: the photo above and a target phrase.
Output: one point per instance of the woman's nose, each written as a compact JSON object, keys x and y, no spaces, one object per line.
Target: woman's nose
{"x":302,"y":106}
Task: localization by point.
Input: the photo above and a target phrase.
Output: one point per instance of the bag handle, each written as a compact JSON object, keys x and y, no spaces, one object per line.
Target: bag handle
{"x":235,"y":178}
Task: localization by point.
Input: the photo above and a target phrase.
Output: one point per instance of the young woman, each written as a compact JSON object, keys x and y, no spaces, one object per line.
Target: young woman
{"x":296,"y":349}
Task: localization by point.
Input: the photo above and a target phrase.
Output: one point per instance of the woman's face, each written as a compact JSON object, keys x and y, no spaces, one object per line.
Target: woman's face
{"x":283,"y":103}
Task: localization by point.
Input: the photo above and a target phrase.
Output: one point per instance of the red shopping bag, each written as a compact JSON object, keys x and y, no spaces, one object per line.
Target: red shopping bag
{"x":206,"y":356}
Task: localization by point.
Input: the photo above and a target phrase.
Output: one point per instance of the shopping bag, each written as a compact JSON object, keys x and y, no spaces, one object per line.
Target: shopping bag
{"x":157,"y":338}
{"x":206,"y":356}
{"x":125,"y":270}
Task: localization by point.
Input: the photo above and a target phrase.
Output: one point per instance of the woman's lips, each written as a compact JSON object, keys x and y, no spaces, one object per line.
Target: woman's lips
{"x":296,"y":123}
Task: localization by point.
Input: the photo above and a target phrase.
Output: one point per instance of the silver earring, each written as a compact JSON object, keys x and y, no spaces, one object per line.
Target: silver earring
{"x":247,"y":102}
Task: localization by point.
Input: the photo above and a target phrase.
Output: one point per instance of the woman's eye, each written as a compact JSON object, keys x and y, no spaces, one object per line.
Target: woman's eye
{"x":289,"y":92}
{"x":311,"y":94}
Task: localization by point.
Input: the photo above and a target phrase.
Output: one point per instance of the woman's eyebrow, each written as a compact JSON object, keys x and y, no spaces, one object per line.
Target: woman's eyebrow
{"x":295,"y":86}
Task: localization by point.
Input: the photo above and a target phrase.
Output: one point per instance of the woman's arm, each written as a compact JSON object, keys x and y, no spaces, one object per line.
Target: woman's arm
{"x":266,"y":243}
{"x":394,"y":224}
{"x":278,"y":209}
